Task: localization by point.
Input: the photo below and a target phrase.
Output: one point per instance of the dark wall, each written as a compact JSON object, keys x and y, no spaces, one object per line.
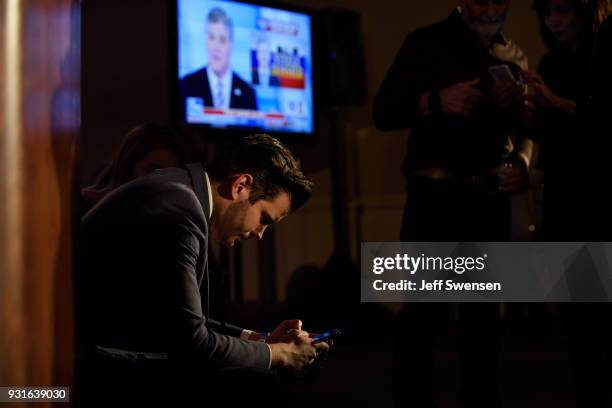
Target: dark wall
{"x":125,"y":74}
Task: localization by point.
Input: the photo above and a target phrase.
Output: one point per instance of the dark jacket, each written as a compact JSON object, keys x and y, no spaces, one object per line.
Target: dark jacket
{"x":143,"y":260}
{"x":575,"y":149}
{"x":196,"y":85}
{"x":431,"y":59}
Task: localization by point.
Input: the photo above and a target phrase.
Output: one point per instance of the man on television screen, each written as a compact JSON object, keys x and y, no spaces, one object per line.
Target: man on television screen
{"x":216,"y":84}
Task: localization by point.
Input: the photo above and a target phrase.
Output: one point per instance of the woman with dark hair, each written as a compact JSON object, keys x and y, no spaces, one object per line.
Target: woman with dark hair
{"x":145,"y":148}
{"x":574,"y":161}
{"x":561,"y":91}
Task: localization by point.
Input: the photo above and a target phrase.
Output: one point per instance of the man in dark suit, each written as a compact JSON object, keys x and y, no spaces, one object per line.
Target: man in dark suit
{"x":143,"y":263}
{"x":217,"y":84}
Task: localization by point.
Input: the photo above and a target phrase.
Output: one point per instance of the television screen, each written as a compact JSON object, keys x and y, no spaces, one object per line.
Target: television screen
{"x":244,"y":66}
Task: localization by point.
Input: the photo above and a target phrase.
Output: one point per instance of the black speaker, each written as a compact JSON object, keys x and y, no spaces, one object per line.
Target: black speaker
{"x":342,"y":63}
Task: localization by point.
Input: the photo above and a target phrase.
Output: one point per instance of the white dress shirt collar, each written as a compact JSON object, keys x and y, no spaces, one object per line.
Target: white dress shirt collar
{"x":210,"y":197}
{"x":226,"y":87}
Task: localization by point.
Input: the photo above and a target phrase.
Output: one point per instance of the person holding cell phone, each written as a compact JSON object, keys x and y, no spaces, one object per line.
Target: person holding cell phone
{"x":143,"y":255}
{"x":460,"y":120}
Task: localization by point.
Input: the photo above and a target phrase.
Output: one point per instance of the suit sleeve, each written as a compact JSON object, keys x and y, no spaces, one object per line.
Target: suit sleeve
{"x":224,"y":327}
{"x":191,"y":340}
{"x":396,"y":105}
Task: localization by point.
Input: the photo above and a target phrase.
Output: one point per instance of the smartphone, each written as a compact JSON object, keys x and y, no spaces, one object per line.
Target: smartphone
{"x":501,"y":72}
{"x":326,"y":335}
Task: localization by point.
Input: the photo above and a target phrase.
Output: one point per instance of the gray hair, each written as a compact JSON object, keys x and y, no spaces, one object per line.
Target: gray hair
{"x":217,"y":15}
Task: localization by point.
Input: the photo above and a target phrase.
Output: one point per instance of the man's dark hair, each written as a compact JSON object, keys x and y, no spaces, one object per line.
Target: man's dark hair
{"x":273,"y":167}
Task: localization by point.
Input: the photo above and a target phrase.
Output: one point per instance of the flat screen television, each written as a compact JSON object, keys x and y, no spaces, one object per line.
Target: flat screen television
{"x":243,"y":66}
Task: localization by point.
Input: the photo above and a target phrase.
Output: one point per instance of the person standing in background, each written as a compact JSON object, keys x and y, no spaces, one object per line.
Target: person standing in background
{"x":461,"y":119}
{"x":570,"y":92}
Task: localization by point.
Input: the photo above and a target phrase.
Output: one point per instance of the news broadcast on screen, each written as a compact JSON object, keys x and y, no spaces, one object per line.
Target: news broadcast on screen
{"x":244,"y":65}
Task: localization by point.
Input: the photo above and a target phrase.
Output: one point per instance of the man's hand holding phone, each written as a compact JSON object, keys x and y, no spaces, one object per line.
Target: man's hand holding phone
{"x":295,"y":350}
{"x":461,"y":99}
{"x":283,"y":328}
{"x":507,"y":92}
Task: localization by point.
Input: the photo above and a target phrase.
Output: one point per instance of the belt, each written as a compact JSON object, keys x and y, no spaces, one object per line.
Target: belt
{"x":485,"y":183}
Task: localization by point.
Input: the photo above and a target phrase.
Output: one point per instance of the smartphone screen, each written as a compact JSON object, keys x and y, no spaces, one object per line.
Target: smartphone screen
{"x":501,"y":73}
{"x":326,"y":335}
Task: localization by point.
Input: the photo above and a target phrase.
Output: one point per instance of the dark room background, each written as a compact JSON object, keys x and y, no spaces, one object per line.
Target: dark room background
{"x":126,"y":82}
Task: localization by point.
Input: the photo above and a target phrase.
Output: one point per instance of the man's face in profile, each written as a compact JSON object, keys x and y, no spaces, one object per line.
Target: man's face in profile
{"x":243,"y":220}
{"x":219,"y":44}
{"x":485,"y":17}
